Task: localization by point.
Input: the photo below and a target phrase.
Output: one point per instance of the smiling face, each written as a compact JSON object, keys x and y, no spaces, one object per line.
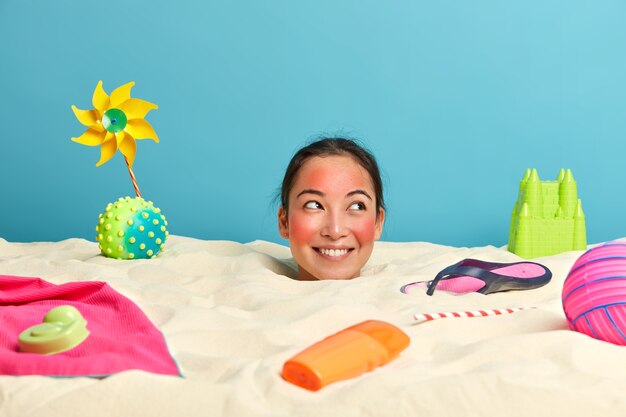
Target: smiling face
{"x":331,"y":221}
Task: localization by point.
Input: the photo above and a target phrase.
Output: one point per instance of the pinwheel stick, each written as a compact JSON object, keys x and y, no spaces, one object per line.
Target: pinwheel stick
{"x":132,"y":177}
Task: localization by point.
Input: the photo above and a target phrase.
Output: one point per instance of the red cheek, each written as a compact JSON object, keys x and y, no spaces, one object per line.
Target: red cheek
{"x":301,"y":229}
{"x":364,"y":230}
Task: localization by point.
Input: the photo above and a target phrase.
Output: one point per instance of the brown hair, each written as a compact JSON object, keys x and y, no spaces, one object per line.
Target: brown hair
{"x":333,"y":146}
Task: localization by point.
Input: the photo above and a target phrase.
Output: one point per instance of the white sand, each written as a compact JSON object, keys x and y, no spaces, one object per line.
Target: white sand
{"x":231,"y":318}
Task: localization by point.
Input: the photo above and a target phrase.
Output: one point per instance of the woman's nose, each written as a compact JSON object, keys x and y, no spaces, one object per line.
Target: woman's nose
{"x":335,"y":227}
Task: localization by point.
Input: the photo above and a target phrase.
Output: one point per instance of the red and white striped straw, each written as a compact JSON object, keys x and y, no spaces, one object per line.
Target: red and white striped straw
{"x":473,"y":313}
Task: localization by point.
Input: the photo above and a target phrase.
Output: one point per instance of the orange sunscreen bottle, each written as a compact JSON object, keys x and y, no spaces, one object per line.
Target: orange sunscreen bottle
{"x":346,"y":354}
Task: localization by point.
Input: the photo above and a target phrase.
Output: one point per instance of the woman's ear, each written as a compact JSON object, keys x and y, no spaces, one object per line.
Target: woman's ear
{"x":380,"y":221}
{"x":283,"y":223}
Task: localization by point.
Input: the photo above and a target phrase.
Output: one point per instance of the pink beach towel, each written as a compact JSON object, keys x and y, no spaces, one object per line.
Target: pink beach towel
{"x":121,"y":336}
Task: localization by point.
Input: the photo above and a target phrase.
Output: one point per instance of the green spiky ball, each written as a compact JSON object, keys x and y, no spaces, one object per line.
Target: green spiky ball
{"x":131,"y":228}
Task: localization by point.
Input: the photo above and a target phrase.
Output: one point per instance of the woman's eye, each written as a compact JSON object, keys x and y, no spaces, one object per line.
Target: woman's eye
{"x":357,"y":206}
{"x":312,"y":205}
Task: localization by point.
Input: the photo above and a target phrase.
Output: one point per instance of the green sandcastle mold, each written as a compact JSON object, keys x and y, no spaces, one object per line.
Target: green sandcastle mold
{"x":548,"y":217}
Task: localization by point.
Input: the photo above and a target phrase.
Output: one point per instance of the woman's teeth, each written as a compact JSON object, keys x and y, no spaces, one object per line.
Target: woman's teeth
{"x":333,"y":252}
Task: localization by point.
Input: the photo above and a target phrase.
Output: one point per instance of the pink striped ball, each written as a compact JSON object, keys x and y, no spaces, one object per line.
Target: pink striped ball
{"x":594,"y":293}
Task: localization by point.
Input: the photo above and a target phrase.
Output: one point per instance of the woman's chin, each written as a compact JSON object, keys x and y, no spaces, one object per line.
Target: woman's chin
{"x":332,"y":275}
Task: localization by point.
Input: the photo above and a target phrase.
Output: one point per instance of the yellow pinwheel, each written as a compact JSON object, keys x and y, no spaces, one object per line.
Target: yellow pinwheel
{"x":115,"y":123}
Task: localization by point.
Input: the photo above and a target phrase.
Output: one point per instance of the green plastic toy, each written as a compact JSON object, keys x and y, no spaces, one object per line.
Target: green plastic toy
{"x":131,"y":228}
{"x":63,"y":328}
{"x":548,"y":217}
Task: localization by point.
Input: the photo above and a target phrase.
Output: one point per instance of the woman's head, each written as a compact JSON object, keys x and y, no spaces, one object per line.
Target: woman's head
{"x":332,"y":208}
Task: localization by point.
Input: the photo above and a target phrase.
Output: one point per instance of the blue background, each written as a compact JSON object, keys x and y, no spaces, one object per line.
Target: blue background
{"x":455,"y":98}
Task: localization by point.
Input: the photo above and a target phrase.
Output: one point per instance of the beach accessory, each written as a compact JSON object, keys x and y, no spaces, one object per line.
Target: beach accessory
{"x":346,"y":354}
{"x":115,"y":123}
{"x":473,"y":313}
{"x":129,"y":228}
{"x":547,"y":217}
{"x":473,"y":275}
{"x":594,"y":293}
{"x":63,"y":328}
{"x":120,"y":336}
